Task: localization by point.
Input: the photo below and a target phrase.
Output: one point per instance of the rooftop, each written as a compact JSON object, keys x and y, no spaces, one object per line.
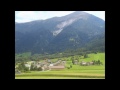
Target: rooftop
{"x":57,"y":67}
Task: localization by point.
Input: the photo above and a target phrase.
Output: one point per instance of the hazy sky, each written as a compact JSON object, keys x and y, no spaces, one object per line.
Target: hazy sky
{"x":26,"y":16}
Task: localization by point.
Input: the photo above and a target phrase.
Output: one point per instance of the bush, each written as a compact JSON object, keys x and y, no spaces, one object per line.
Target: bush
{"x":70,"y":66}
{"x":85,"y":56}
{"x":39,"y":69}
{"x":95,"y":52}
{"x":27,"y":71}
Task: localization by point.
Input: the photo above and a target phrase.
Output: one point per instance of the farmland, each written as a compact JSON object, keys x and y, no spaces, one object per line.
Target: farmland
{"x":76,"y":72}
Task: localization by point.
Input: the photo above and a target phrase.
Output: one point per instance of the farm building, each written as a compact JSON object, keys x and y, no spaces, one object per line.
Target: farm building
{"x":51,"y":65}
{"x":75,"y":62}
{"x":49,"y":61}
{"x":17,"y":71}
{"x":56,"y":67}
{"x":27,"y":65}
{"x":45,"y":67}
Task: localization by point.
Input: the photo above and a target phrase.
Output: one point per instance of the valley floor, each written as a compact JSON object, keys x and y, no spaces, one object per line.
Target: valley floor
{"x":83,"y":74}
{"x":76,"y":72}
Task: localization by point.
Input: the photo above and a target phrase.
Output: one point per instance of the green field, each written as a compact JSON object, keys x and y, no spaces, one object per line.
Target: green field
{"x":76,"y":72}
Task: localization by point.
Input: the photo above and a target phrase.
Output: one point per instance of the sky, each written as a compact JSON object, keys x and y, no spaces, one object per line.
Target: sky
{"x":27,"y":16}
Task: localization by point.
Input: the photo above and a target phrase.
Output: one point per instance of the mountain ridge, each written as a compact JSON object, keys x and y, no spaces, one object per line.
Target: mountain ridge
{"x":58,"y":33}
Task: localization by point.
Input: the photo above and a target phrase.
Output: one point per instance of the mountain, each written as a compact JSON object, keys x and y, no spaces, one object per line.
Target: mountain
{"x":57,"y":34}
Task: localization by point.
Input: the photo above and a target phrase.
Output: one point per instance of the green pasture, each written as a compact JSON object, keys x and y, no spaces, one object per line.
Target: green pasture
{"x":76,"y":72}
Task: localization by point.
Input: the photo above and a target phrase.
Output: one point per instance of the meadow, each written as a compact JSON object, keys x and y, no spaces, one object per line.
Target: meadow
{"x":76,"y":72}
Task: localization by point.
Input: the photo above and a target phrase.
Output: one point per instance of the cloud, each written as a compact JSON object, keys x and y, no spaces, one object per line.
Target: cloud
{"x":26,"y":16}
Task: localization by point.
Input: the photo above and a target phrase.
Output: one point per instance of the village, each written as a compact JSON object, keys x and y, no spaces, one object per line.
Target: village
{"x":65,"y":67}
{"x":45,"y":65}
{"x":48,"y":65}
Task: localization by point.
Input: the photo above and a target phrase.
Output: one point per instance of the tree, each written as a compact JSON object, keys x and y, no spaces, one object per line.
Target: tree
{"x":32,"y":67}
{"x":73,"y":62}
{"x":95,"y":52}
{"x":39,"y":69}
{"x":86,"y":56}
{"x":22,"y":67}
{"x":72,"y":58}
{"x":26,"y":69}
{"x":35,"y":68}
{"x":77,"y":58}
{"x":70,"y":66}
{"x":98,"y":62}
{"x":101,"y":63}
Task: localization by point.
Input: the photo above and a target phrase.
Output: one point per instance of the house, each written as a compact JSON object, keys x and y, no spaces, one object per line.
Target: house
{"x":57,"y":63}
{"x":49,"y":61}
{"x":38,"y":66}
{"x":27,"y":65}
{"x":51,"y":65}
{"x":32,"y":61}
{"x":83,"y":63}
{"x":56,"y":67}
{"x":63,"y":63}
{"x":45,"y":67}
{"x":17,"y":71}
{"x":75,"y":62}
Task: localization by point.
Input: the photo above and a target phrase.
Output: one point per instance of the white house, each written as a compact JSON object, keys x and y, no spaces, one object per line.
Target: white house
{"x":27,"y":65}
{"x":51,"y":65}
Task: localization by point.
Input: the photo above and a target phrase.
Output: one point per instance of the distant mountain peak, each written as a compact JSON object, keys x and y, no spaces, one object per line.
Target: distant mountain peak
{"x":58,"y":33}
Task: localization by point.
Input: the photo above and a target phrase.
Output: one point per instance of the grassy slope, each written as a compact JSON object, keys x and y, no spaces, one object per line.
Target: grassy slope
{"x":76,"y":72}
